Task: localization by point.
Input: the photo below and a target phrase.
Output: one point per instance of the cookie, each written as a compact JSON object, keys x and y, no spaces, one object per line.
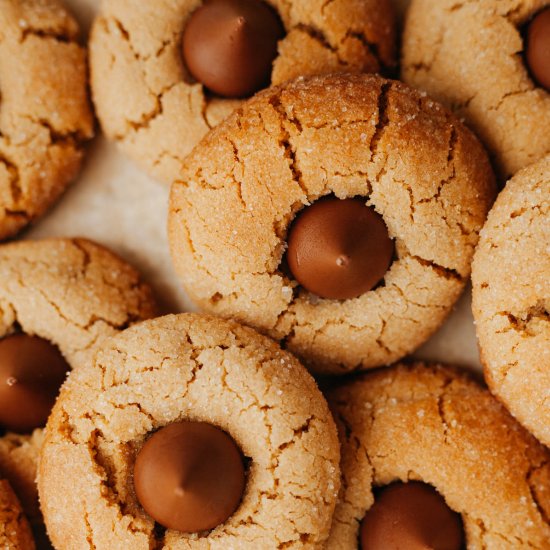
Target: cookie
{"x":423,"y":439}
{"x":511,"y":298}
{"x":15,"y":533}
{"x":147,"y":98}
{"x":471,"y":56}
{"x":46,"y":116}
{"x":246,"y":220}
{"x":59,"y":299}
{"x":178,"y":377}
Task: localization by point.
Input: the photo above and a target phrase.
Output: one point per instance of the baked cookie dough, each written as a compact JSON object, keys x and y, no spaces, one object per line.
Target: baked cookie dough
{"x":70,"y":293}
{"x":15,"y":533}
{"x":147,"y":100}
{"x":511,"y":298}
{"x":435,"y":425}
{"x":424,"y":177}
{"x":189,"y":368}
{"x":470,"y":56}
{"x":45,"y":115}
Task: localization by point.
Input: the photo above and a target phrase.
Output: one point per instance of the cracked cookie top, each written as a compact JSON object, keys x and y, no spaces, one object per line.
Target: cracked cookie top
{"x":408,"y":159}
{"x":71,"y":292}
{"x":511,"y":297}
{"x":470,"y":56}
{"x":147,"y":100}
{"x":435,"y":425}
{"x":45,"y":115}
{"x":15,"y":533}
{"x":201,"y":369}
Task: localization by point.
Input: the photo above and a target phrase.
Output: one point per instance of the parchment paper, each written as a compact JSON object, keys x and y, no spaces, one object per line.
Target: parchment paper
{"x":119,"y":206}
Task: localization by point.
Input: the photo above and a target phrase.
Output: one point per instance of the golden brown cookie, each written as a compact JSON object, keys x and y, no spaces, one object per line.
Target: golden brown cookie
{"x":74,"y":294}
{"x":45,"y":116}
{"x":15,"y":533}
{"x":180,"y":368}
{"x":417,"y":168}
{"x":435,"y":425}
{"x":511,"y":298}
{"x":150,"y":104}
{"x":470,"y":56}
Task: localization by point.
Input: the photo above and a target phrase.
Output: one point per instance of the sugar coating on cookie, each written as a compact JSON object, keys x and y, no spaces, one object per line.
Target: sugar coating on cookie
{"x":405,"y":156}
{"x":189,"y":368}
{"x":147,"y":100}
{"x":46,"y":117}
{"x":15,"y":533}
{"x":436,"y":425}
{"x":74,"y":294}
{"x":511,"y":297}
{"x":470,"y":56}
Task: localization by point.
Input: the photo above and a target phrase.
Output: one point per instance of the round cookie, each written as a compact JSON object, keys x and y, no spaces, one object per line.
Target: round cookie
{"x":435,"y":425}
{"x":74,"y":294}
{"x":470,"y":56}
{"x":15,"y":533}
{"x":189,"y":368}
{"x":411,"y":162}
{"x":147,"y":100}
{"x":511,"y":297}
{"x":45,"y":115}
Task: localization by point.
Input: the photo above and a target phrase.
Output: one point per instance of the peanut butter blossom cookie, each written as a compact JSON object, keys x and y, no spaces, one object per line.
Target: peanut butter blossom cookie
{"x":58,"y":300}
{"x":511,"y":298}
{"x":489,"y":61}
{"x":160,"y":87}
{"x":190,"y":432}
{"x":338,"y":214}
{"x":45,"y":116}
{"x":431,"y":460}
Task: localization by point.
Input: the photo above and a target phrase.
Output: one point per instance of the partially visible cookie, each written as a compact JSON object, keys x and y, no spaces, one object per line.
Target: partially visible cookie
{"x":436,"y":426}
{"x":72,"y":292}
{"x":338,"y":214}
{"x":471,"y":56}
{"x":15,"y":533}
{"x":19,"y":460}
{"x":63,"y":297}
{"x":147,"y":98}
{"x":511,"y":298}
{"x":167,"y":374}
{"x":45,"y":113}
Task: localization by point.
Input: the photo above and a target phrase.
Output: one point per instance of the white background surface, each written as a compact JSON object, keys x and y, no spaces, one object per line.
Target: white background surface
{"x":119,"y":206}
